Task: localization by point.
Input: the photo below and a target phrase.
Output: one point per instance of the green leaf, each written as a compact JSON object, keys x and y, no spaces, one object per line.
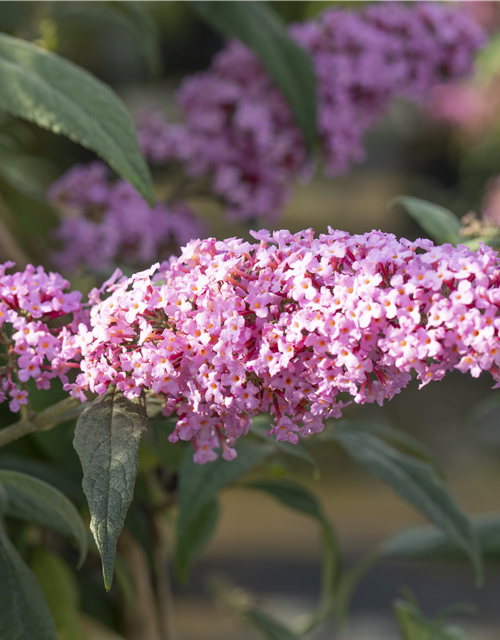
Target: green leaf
{"x":263,"y":31}
{"x":37,"y":501}
{"x":52,"y":92}
{"x":107,"y":439}
{"x":195,"y":536}
{"x":24,"y":614}
{"x":292,"y":494}
{"x":61,"y":592}
{"x":271,"y":628}
{"x":441,"y":224}
{"x":199,"y":484}
{"x":417,"y":483}
{"x":429,"y":543}
{"x":414,"y":626}
{"x":400,"y":439}
{"x":298,"y":497}
{"x":473,"y":243}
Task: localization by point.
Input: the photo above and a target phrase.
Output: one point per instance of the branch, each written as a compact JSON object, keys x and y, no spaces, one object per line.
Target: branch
{"x":58,"y":413}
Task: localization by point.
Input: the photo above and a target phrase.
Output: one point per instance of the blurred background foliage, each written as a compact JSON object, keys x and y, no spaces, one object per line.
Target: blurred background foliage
{"x":445,"y":154}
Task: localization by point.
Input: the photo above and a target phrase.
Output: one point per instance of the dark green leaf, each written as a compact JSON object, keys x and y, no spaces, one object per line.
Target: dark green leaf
{"x":430,"y":543}
{"x":107,"y":439}
{"x":441,"y":224}
{"x":36,"y":501}
{"x":195,"y":536}
{"x":261,"y":29}
{"x":290,"y":493}
{"x":416,"y":482}
{"x":24,"y":614}
{"x":61,"y":592}
{"x":199,"y":484}
{"x":400,"y":439}
{"x":50,"y":91}
{"x":271,"y":628}
{"x":51,"y":473}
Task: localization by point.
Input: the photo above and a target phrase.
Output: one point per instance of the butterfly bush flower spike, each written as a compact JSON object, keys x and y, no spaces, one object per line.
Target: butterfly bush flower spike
{"x":292,"y":324}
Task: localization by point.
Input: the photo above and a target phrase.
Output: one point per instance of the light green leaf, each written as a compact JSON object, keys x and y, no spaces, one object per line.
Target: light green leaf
{"x":107,"y":439}
{"x":298,"y":497}
{"x":52,"y":92}
{"x":417,"y":483}
{"x":199,"y":484}
{"x":37,"y":501}
{"x":429,"y":543}
{"x":441,"y":224}
{"x":24,"y":614}
{"x":195,"y":536}
{"x":473,"y":243}
{"x":60,"y":589}
{"x":262,"y":30}
{"x":271,"y":628}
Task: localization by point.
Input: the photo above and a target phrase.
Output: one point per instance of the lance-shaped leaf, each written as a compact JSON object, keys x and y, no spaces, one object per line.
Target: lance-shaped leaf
{"x":60,"y":588}
{"x":24,"y":614}
{"x":199,"y":484}
{"x":417,"y":483}
{"x":399,"y":439}
{"x":429,"y":543}
{"x":107,"y":439}
{"x":441,"y":224}
{"x":52,"y":92}
{"x":195,"y":536}
{"x":263,"y":31}
{"x":37,"y":501}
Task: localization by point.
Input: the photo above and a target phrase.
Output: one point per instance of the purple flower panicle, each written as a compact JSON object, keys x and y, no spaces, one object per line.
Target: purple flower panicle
{"x":293,"y":324}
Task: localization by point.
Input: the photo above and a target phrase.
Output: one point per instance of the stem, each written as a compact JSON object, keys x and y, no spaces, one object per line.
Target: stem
{"x":348,"y":585}
{"x":58,"y":413}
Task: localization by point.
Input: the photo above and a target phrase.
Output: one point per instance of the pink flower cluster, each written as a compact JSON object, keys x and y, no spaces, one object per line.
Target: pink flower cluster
{"x":106,"y":222}
{"x":29,"y":300}
{"x":239,"y":130}
{"x":292,"y":324}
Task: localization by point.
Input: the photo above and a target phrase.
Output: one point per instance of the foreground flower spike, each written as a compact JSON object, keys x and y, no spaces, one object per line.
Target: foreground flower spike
{"x":294,"y":325}
{"x":239,"y":130}
{"x":29,"y":300}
